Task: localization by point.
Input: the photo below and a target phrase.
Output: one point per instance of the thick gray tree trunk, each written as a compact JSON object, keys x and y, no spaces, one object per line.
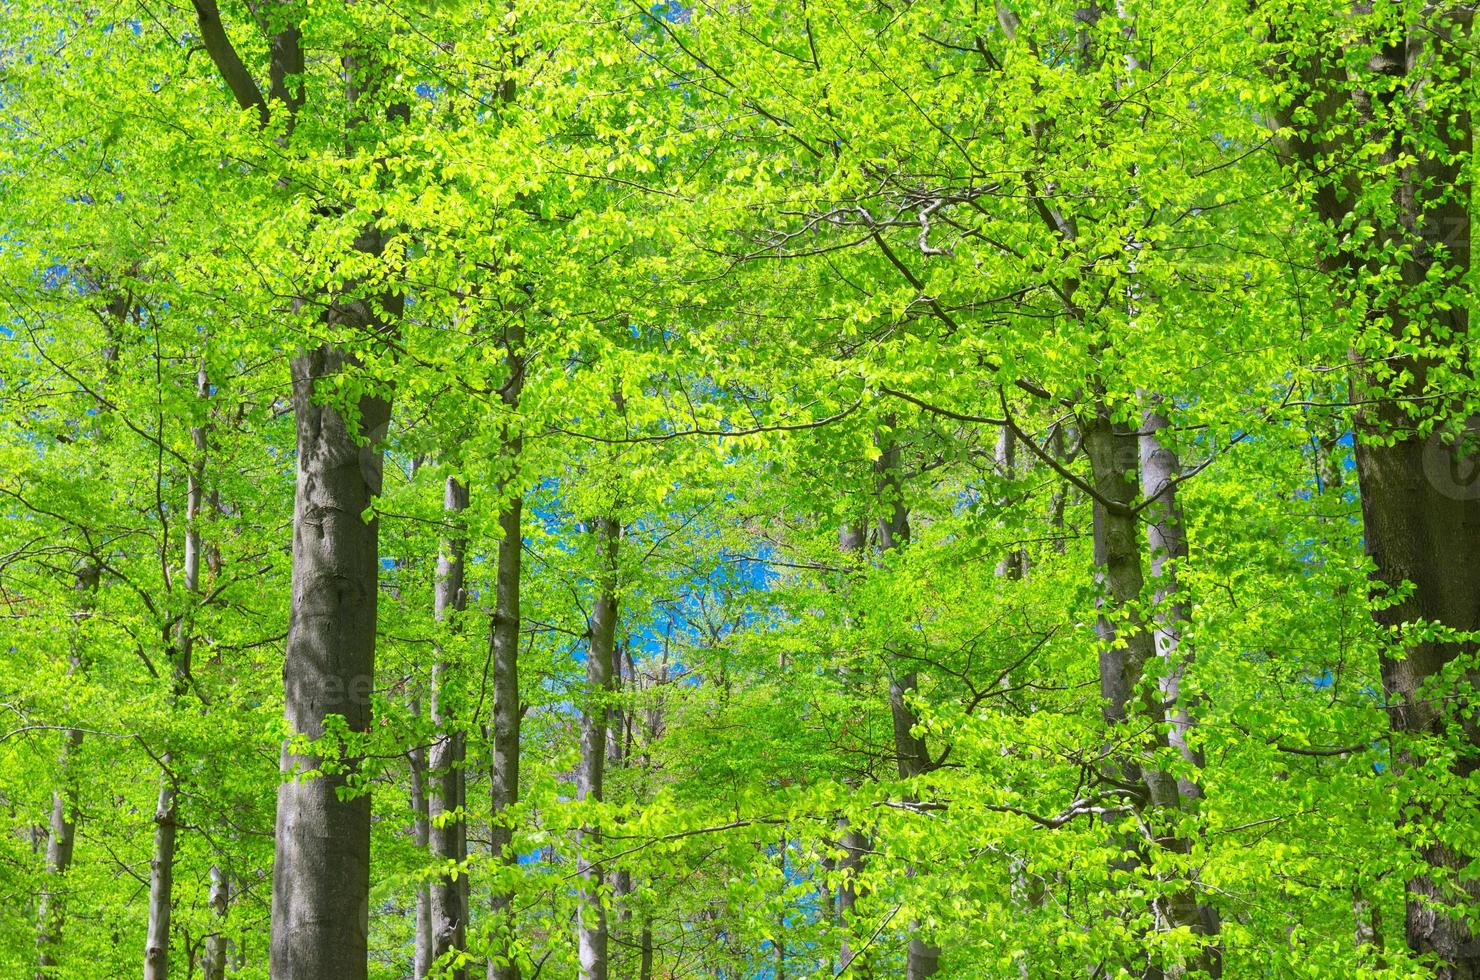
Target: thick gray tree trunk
{"x":321,"y":867}
{"x":321,"y":879}
{"x":591,"y":927}
{"x":1420,"y":493}
{"x":449,"y":915}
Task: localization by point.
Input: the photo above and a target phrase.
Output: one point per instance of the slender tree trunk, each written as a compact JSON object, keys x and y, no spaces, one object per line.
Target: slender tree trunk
{"x":507,"y":711}
{"x":591,"y":915}
{"x":62,"y":826}
{"x":448,"y":831}
{"x":162,"y":866}
{"x":1125,"y":652}
{"x":1167,"y":539}
{"x":912,"y":759}
{"x":213,"y":964}
{"x":852,"y":537}
{"x":645,"y":951}
{"x":61,"y":838}
{"x":421,"y":957}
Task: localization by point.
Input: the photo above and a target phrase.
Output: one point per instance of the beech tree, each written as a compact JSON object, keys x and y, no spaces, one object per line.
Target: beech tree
{"x":772,"y":490}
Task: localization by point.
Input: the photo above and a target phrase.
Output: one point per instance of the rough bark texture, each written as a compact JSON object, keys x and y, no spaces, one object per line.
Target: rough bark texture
{"x":507,"y":712}
{"x":1420,"y":496}
{"x":591,"y":926}
{"x":448,"y":834}
{"x":321,"y":880}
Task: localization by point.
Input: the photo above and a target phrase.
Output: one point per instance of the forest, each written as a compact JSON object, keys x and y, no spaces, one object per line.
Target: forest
{"x":752,"y":490}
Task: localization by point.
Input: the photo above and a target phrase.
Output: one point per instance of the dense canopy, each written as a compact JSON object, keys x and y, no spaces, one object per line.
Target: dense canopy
{"x":776,"y":489}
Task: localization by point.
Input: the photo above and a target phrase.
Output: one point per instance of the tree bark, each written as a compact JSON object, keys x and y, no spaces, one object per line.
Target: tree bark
{"x":321,"y":882}
{"x":448,"y":832}
{"x":504,"y":638}
{"x":911,"y":757}
{"x":162,"y":866}
{"x":61,"y":839}
{"x":1127,"y":647}
{"x":1420,"y":496}
{"x":852,"y":537}
{"x":591,"y":916}
{"x":421,"y":957}
{"x":213,"y":963}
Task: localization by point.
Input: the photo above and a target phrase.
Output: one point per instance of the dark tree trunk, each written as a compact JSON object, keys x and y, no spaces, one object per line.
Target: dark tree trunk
{"x":321,"y":880}
{"x":911,"y":757}
{"x":1420,"y":493}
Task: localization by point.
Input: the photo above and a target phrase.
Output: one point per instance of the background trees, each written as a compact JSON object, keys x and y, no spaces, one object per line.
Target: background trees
{"x":779,"y":490}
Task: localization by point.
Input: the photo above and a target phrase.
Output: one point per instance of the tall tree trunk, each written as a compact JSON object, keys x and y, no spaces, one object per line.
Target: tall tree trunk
{"x":62,"y":827}
{"x":421,"y":956}
{"x":321,"y":879}
{"x":1410,"y":98}
{"x":1127,"y":647}
{"x":60,"y":841}
{"x":852,"y":537}
{"x":162,"y":867}
{"x":911,"y":757}
{"x":449,"y":917}
{"x":591,"y":915}
{"x":507,"y":712}
{"x":1167,"y":539}
{"x":213,"y":964}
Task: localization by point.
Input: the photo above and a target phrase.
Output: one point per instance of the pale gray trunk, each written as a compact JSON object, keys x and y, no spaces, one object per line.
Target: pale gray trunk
{"x":217,"y":945}
{"x":1167,"y":538}
{"x":1125,"y":653}
{"x":421,"y":956}
{"x":61,"y":839}
{"x":591,"y":916}
{"x":852,"y":537}
{"x":504,"y":639}
{"x":449,"y":917}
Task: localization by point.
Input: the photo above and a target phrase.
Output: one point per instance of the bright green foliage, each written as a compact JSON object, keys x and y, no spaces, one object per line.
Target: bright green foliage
{"x":773,"y":269}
